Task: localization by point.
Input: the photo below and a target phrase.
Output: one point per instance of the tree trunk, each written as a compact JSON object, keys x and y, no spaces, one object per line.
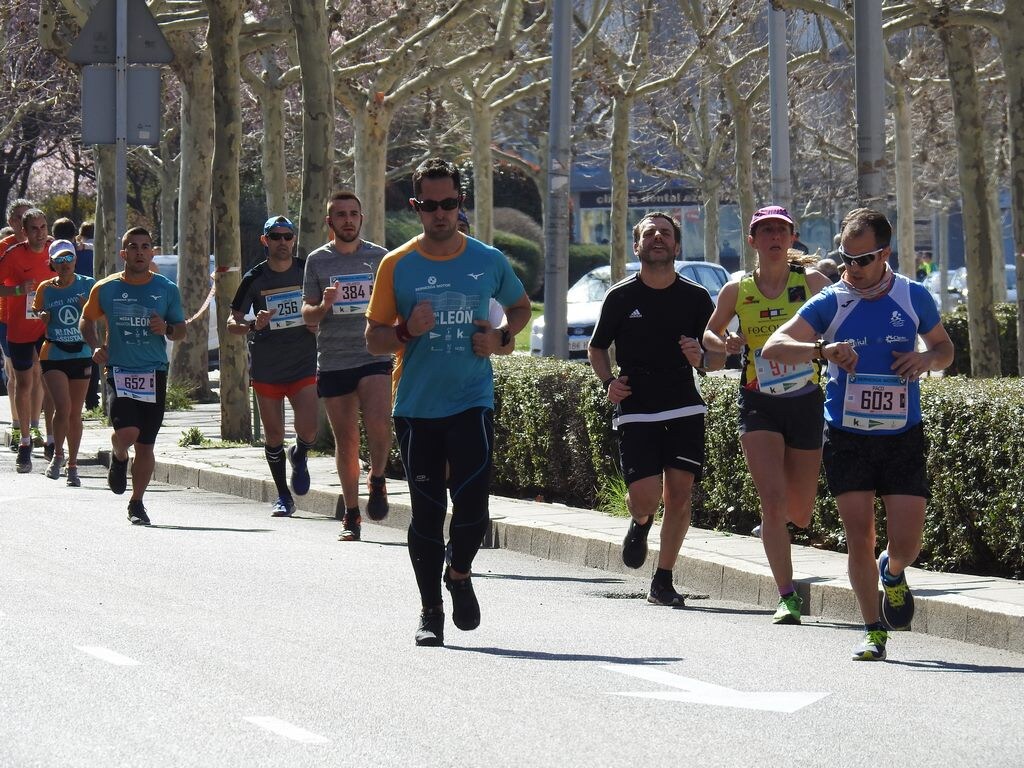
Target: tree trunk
{"x":902,"y":110}
{"x":619,"y":173}
{"x":222,"y":40}
{"x":483,"y":171}
{"x":311,"y":36}
{"x":272,"y":111}
{"x":371,"y":149}
{"x":195,"y":72}
{"x":1013,"y":64}
{"x":710,"y":190}
{"x":978,"y":236}
{"x":743,"y":138}
{"x":107,"y":242}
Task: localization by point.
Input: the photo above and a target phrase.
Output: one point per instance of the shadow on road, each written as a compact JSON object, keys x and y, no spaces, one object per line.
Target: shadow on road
{"x":522,"y":577}
{"x":934,"y":665}
{"x":512,"y":653}
{"x":203,"y":528}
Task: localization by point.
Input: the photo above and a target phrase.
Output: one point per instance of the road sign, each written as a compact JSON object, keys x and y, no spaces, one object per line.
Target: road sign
{"x":97,"y":42}
{"x":99,"y":97}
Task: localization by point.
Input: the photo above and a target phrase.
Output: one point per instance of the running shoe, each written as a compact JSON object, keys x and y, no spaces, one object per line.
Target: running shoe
{"x":56,"y":462}
{"x":24,"y":461}
{"x":465,"y":608}
{"x":873,"y":646}
{"x":48,"y":450}
{"x":665,"y":595}
{"x":788,"y":611}
{"x":137,"y":512}
{"x":300,"y":472}
{"x":634,"y":547}
{"x":897,"y":599}
{"x":430,"y":631}
{"x":756,"y":531}
{"x":283,"y":507}
{"x":117,"y":475}
{"x":73,"y":479}
{"x":37,"y":437}
{"x":377,"y":505}
{"x":15,"y":438}
{"x":352,"y":528}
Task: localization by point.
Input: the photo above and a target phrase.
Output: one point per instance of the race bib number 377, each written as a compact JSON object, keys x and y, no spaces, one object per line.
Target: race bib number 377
{"x":875,"y":402}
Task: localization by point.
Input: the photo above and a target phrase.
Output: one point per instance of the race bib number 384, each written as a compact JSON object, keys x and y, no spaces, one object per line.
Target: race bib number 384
{"x":875,"y":402}
{"x":353,"y":293}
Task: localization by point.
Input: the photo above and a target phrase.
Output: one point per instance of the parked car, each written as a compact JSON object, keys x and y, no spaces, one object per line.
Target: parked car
{"x":167,"y":265}
{"x":583,"y":302}
{"x":956,"y":286}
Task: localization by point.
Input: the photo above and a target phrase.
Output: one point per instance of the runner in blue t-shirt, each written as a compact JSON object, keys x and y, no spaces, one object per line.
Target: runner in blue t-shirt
{"x":429,"y":306}
{"x":142,"y":310}
{"x":66,"y":361}
{"x":866,"y":327}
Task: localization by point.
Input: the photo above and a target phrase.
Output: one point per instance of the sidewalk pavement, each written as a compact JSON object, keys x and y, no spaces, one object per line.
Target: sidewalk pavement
{"x":976,"y":609}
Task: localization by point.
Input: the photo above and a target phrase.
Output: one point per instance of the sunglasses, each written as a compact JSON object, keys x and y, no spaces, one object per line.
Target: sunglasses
{"x":286,"y":236}
{"x":429,"y":206}
{"x":64,"y":258}
{"x":863,"y":259}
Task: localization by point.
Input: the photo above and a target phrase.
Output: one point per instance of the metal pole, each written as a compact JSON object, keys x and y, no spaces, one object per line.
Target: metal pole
{"x":870,"y":86}
{"x":778,"y":90}
{"x":556,"y":227}
{"x":121,"y":118}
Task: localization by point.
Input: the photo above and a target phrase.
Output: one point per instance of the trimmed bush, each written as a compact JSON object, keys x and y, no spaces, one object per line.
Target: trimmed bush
{"x":526,"y":258}
{"x":400,"y":228}
{"x":955,"y":322}
{"x":583,"y":257}
{"x":515,"y":222}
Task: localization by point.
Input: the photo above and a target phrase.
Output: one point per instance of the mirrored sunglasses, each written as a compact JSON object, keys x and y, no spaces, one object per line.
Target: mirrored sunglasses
{"x":863,"y":259}
{"x":63,"y":258}
{"x":286,"y":236}
{"x":429,"y":206}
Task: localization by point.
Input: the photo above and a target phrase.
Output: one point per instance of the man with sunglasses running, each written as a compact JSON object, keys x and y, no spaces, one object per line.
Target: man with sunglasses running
{"x":430,"y":308}
{"x":336,"y":291}
{"x":866,"y":327}
{"x":282,"y":356}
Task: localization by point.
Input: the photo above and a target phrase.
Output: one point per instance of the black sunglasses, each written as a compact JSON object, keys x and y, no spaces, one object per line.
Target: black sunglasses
{"x":863,"y":259}
{"x":286,"y":236}
{"x":429,"y":206}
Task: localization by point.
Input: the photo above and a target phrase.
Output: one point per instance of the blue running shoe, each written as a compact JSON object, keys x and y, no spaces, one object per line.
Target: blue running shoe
{"x":283,"y":507}
{"x":300,"y":473}
{"x":897,"y":599}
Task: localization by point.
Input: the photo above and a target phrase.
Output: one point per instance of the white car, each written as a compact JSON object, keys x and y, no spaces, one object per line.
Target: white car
{"x":956,"y":286}
{"x":583,"y":302}
{"x":167,"y":265}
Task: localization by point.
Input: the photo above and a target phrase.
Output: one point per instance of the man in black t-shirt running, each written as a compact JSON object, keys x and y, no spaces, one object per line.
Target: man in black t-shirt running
{"x":282,"y":356}
{"x":655,"y":318}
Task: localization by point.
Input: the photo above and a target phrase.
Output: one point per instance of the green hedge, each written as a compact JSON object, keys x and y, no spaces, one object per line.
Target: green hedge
{"x":553,"y":439}
{"x":526,"y":257}
{"x":955,"y":322}
{"x":583,"y":257}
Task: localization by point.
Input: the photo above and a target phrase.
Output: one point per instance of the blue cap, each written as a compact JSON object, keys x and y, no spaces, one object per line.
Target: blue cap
{"x":277,"y":221}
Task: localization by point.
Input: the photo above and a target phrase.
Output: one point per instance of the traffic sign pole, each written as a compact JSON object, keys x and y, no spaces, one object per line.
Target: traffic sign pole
{"x":121,"y":131}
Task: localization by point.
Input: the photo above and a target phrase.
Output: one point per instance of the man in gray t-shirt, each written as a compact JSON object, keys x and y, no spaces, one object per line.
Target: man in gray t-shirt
{"x":335,"y":293}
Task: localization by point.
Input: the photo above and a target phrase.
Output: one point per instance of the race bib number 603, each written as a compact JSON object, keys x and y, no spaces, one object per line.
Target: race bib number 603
{"x":875,"y":402}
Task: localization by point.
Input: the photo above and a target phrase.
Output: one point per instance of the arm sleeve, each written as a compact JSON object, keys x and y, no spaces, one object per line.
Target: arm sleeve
{"x":312,"y":291}
{"x":37,"y":302}
{"x":819,"y":311}
{"x":92,"y":309}
{"x":243,"y":296}
{"x":607,"y":322}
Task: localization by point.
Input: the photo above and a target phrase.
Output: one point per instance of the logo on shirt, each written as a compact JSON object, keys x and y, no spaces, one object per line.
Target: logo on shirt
{"x":847,"y":303}
{"x":431,"y":280}
{"x":476,"y":276}
{"x":635,"y":313}
{"x":895,"y":339}
{"x":764,"y":314}
{"x":748,"y":299}
{"x":896,"y":321}
{"x":797,"y":293}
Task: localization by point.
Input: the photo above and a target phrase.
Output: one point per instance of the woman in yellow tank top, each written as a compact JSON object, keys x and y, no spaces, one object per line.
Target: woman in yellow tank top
{"x":781,"y":407}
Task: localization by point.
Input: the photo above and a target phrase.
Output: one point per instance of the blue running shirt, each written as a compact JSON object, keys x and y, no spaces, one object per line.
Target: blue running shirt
{"x":128,"y":308}
{"x":64,"y":306}
{"x":876,"y":329}
{"x":437,"y":374}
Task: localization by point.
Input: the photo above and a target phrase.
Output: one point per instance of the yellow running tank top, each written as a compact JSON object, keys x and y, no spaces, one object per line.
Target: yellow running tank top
{"x":759,"y":317}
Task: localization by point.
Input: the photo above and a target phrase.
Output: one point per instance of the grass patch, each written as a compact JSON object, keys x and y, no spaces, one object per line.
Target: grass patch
{"x":179,"y":398}
{"x":611,"y":495}
{"x":523,"y":337}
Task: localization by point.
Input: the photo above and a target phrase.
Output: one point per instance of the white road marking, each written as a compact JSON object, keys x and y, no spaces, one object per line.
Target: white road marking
{"x":289,"y":731}
{"x":698,"y":692}
{"x":107,"y":655}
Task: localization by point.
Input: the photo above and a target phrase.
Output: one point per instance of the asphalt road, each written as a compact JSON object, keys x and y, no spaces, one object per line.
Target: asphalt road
{"x":223,"y":637}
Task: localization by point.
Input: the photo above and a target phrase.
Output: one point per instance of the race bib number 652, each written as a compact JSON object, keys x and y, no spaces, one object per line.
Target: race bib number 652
{"x":137,"y":385}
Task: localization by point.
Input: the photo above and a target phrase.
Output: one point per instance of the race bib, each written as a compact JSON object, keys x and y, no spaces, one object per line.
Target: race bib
{"x":30,"y":299}
{"x":353,"y":293}
{"x":776,"y":378}
{"x":875,"y":402}
{"x":287,"y":308}
{"x":136,"y":385}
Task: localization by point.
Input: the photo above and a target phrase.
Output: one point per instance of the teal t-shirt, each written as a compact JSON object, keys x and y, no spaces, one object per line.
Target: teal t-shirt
{"x":64,"y":306}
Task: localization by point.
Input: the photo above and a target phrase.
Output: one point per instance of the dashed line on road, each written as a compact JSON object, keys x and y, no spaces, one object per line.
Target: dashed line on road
{"x":286,"y":729}
{"x":107,"y":655}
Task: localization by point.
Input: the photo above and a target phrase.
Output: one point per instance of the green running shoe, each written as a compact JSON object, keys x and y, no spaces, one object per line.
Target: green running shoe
{"x":897,"y":599}
{"x":37,"y":437}
{"x":873,"y":646}
{"x":788,"y":611}
{"x":15,"y":438}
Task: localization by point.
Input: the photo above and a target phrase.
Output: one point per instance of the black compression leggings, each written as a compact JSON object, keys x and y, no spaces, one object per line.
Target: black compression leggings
{"x":459,"y":445}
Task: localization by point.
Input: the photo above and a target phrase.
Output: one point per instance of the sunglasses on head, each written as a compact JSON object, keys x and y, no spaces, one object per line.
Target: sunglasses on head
{"x":286,"y":236}
{"x":64,"y":258}
{"x":429,"y":206}
{"x":863,"y":259}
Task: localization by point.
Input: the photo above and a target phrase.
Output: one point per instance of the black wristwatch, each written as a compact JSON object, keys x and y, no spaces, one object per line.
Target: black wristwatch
{"x":506,"y":337}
